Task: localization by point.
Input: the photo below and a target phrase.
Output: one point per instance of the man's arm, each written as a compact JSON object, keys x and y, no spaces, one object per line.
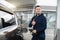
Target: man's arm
{"x":30,"y":24}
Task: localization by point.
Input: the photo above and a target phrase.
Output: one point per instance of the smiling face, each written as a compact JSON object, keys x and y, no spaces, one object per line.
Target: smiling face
{"x":38,"y":10}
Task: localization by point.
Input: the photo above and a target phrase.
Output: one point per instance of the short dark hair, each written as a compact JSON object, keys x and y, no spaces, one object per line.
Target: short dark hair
{"x":37,"y":6}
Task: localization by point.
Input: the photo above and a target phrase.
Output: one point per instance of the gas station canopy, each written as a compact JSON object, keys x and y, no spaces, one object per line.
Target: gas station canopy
{"x":22,"y":3}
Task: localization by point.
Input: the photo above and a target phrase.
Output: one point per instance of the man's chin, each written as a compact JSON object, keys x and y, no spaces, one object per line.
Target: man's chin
{"x":38,"y":14}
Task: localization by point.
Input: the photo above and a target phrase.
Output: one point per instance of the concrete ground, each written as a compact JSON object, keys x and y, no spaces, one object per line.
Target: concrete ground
{"x":49,"y":35}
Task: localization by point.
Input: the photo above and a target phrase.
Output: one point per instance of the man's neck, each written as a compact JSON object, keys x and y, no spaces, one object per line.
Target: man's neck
{"x":37,"y":14}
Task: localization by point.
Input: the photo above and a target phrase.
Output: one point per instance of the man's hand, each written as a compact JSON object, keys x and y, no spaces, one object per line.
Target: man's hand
{"x":34,"y":31}
{"x":33,"y":23}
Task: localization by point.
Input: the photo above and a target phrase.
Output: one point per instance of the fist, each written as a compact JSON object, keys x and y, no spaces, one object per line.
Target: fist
{"x":34,"y":31}
{"x":33,"y":23}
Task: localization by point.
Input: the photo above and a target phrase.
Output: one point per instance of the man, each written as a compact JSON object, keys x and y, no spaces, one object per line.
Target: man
{"x":39,"y":25}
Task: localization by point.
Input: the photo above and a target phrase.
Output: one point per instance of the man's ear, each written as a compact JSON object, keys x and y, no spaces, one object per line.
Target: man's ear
{"x":41,"y":10}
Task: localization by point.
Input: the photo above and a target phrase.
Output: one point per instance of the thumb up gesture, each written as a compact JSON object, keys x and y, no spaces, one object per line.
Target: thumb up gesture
{"x":33,"y":22}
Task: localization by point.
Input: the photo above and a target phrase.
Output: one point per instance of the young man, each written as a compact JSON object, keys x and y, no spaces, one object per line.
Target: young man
{"x":39,"y":25}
